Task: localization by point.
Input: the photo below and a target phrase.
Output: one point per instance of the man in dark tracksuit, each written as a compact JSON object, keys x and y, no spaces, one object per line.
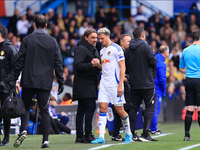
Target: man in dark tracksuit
{"x":85,"y":84}
{"x":8,"y":57}
{"x":140,"y":65}
{"x":39,"y":55}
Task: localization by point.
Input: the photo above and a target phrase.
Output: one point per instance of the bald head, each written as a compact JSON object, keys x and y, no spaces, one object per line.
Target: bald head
{"x":40,"y":21}
{"x":164,"y":50}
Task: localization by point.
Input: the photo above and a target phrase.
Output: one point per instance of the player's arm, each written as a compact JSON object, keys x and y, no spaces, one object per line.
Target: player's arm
{"x":121,"y":78}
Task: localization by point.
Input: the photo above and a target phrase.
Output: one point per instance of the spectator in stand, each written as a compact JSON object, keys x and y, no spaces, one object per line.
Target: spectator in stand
{"x":178,"y":22}
{"x":140,"y":17}
{"x":192,"y":25}
{"x":83,"y":28}
{"x":29,"y":15}
{"x":173,"y":40}
{"x":22,"y":27}
{"x":166,"y":26}
{"x":13,"y":22}
{"x":171,"y":94}
{"x":79,"y":17}
{"x":166,"y":36}
{"x":187,"y":42}
{"x":15,"y":42}
{"x":56,"y":34}
{"x":180,"y":33}
{"x":100,"y":16}
{"x":156,"y":20}
{"x":65,"y":36}
{"x":129,"y":25}
{"x":52,"y":17}
{"x":175,"y":57}
{"x":153,"y":46}
{"x":99,"y":26}
{"x":67,"y":99}
{"x":10,"y":35}
{"x":112,"y":18}
{"x":60,"y":21}
{"x":66,"y":75}
{"x":68,"y":18}
{"x":72,"y":30}
{"x":63,"y":48}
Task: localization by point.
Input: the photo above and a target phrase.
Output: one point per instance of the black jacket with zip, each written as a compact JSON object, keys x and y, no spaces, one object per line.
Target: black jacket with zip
{"x":140,"y":65}
{"x":8,"y":57}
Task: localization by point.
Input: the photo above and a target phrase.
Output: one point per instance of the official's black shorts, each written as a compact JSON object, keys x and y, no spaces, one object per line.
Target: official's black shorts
{"x":192,"y":89}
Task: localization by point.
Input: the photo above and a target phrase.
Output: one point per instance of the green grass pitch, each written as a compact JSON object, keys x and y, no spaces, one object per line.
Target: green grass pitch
{"x":66,"y":142}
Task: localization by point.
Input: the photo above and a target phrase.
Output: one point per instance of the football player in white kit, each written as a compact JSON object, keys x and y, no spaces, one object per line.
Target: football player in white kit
{"x":111,"y":84}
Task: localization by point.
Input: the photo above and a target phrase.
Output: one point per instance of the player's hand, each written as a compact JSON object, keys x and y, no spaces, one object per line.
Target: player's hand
{"x":120,"y":91}
{"x":95,"y":62}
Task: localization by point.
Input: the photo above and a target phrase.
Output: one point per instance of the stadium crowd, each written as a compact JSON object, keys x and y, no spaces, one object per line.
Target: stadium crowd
{"x":160,"y":30}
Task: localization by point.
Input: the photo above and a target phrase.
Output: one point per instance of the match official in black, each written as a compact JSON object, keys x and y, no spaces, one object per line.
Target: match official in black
{"x":39,"y":55}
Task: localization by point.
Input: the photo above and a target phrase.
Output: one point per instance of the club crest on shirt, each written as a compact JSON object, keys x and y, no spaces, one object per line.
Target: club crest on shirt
{"x":2,"y":53}
{"x":152,"y":101}
{"x":108,"y":53}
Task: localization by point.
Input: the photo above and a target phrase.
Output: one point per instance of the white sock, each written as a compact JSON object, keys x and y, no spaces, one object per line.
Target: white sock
{"x":73,"y":132}
{"x":102,"y":123}
{"x":126,"y":124}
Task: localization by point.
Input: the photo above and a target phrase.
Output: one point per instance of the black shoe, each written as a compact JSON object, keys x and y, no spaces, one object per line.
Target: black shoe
{"x":5,"y":142}
{"x":135,"y":137}
{"x":146,"y":138}
{"x":45,"y":144}
{"x":156,"y":132}
{"x":79,"y":140}
{"x":88,"y":138}
{"x":20,"y":139}
{"x":117,"y":138}
{"x":187,"y":139}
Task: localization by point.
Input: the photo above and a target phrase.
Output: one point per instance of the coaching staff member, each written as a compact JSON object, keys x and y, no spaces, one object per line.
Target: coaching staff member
{"x":190,"y":64}
{"x":8,"y":57}
{"x":140,"y":65}
{"x":39,"y":55}
{"x":85,"y":84}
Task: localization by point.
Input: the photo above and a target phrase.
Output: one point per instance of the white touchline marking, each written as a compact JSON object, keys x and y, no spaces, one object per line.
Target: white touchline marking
{"x":160,"y":135}
{"x":104,"y":146}
{"x":108,"y":145}
{"x":190,"y":147}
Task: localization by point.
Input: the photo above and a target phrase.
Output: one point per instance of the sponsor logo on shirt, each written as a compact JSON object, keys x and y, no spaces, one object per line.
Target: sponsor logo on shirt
{"x":104,"y":61}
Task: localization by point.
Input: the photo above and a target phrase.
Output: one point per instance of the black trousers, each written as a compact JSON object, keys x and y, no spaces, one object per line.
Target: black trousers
{"x":6,"y":121}
{"x":148,"y":96}
{"x":43,"y":102}
{"x":86,"y":107}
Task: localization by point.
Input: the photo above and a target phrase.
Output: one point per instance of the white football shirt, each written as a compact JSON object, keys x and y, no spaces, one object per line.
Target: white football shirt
{"x":110,"y":56}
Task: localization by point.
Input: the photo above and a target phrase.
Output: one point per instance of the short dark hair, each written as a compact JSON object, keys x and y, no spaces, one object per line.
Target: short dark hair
{"x":89,"y":31}
{"x":137,"y":32}
{"x":196,"y":35}
{"x":123,"y":35}
{"x":3,"y":31}
{"x":163,"y":49}
{"x":40,"y":21}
